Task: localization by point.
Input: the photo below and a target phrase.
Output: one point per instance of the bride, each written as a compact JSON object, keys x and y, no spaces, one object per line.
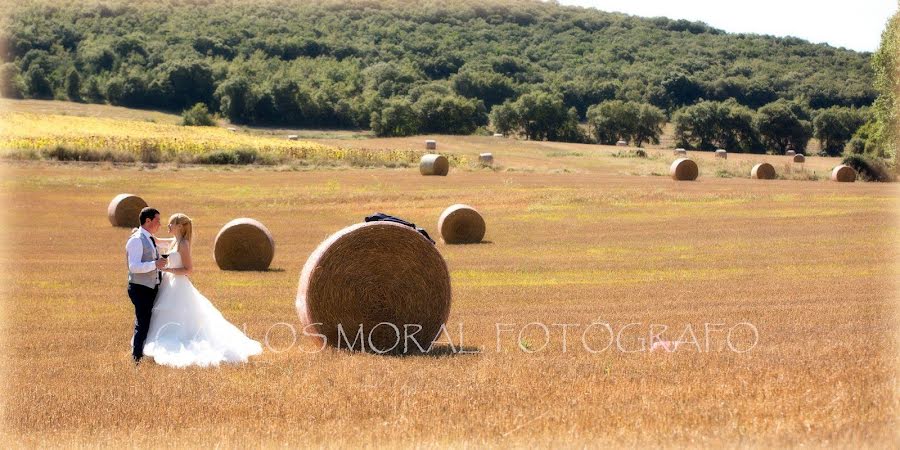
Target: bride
{"x":185,"y":328}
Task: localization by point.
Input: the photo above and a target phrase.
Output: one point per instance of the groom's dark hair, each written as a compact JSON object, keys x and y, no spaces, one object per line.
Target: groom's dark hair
{"x":148,"y":213}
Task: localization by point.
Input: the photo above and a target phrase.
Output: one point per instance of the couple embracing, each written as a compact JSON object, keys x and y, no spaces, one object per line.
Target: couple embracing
{"x":174,"y":323}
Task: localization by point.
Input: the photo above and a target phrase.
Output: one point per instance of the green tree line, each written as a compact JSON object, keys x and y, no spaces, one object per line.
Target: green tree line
{"x":534,"y":68}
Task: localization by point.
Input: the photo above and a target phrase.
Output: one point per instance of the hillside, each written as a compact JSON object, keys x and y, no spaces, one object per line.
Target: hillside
{"x":341,"y":63}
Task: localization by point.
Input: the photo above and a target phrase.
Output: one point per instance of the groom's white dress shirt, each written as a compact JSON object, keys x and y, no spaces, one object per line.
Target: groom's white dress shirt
{"x":134,"y":249}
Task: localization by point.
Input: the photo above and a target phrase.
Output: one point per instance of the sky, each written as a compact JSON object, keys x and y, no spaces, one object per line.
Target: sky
{"x":854,"y":24}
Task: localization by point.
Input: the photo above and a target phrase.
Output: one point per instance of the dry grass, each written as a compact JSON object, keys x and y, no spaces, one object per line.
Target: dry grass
{"x":812,"y":265}
{"x":575,"y":238}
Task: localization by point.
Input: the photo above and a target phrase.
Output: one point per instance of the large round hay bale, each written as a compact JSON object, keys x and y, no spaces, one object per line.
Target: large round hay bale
{"x":244,"y":244}
{"x":763,"y":171}
{"x":721,"y":153}
{"x":432,"y":164}
{"x":684,"y":169}
{"x":381,"y":278}
{"x":680,"y":152}
{"x":843,"y":174}
{"x":798,"y":158}
{"x":461,"y":224}
{"x":621,"y":144}
{"x":430,"y":144}
{"x":124,"y":210}
{"x":486,"y":159}
{"x":791,"y":153}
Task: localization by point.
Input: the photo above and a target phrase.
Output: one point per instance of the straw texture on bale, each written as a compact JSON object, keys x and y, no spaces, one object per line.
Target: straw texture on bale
{"x":684,"y":169}
{"x":799,"y":158}
{"x":378,"y":277}
{"x":721,"y":153}
{"x":430,"y":145}
{"x":432,"y":164}
{"x":486,"y":158}
{"x":763,"y":171}
{"x":125,"y":209}
{"x":244,"y":244}
{"x":843,"y":174}
{"x":461,"y":224}
{"x":791,"y":153}
{"x":621,"y":144}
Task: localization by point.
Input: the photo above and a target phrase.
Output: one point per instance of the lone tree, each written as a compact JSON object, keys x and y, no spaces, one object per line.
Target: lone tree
{"x":539,"y":116}
{"x":835,"y":126}
{"x":73,"y":85}
{"x":197,"y":116}
{"x":709,"y":125}
{"x":396,"y":118}
{"x":782,"y":123}
{"x":631,"y":121}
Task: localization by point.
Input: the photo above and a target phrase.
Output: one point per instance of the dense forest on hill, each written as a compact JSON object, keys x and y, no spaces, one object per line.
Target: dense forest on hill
{"x":404,"y":67}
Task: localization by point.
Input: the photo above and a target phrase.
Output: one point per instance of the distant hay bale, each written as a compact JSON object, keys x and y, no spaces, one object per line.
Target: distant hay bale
{"x":293,"y":137}
{"x":680,"y":152}
{"x":381,"y":278}
{"x":763,"y":171}
{"x":124,"y":210}
{"x":843,"y":174}
{"x":798,"y":158}
{"x":721,"y":153}
{"x":244,"y":244}
{"x":461,"y":224}
{"x":621,"y":144}
{"x":791,"y":153}
{"x":430,"y":144}
{"x":433,"y":164}
{"x":498,"y":134}
{"x":232,"y":129}
{"x":684,"y":169}
{"x":486,"y":159}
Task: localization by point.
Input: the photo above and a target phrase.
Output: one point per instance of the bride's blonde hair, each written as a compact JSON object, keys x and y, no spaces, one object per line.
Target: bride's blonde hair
{"x":186,"y":228}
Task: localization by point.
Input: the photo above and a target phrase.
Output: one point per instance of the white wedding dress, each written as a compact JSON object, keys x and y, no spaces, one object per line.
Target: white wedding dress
{"x":186,"y":329}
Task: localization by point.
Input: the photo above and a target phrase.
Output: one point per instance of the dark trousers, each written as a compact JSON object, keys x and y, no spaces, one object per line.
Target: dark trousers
{"x":143,"y":298}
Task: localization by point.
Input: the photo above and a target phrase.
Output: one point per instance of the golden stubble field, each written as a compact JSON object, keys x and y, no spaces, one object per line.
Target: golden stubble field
{"x":811,"y":265}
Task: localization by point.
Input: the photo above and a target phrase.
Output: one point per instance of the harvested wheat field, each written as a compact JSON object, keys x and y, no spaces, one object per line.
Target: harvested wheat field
{"x":783,"y":294}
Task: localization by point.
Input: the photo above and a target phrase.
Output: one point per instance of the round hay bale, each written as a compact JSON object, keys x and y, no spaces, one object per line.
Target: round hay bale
{"x":293,"y":137}
{"x":684,"y":169}
{"x":721,"y":153}
{"x":791,"y":153}
{"x":680,"y":152}
{"x":798,"y":158}
{"x":432,"y":164}
{"x":500,"y":135}
{"x":430,"y":144}
{"x":486,"y":159}
{"x":244,"y":244}
{"x":232,"y":129}
{"x":381,"y":278}
{"x":125,"y":209}
{"x":621,"y":144}
{"x":461,"y":224}
{"x":763,"y":171}
{"x":843,"y":174}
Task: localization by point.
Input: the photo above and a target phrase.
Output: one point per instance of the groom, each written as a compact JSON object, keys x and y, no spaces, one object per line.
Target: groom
{"x":144,"y":276}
